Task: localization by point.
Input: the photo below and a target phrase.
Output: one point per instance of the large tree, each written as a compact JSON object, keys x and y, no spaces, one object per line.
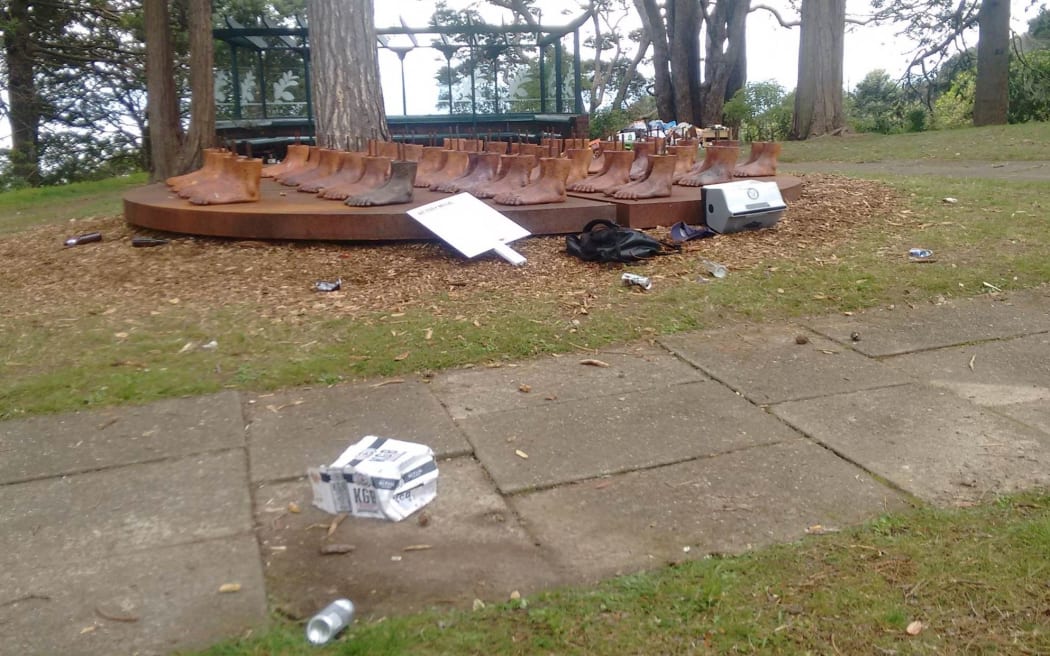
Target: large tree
{"x":942,"y":28}
{"x":173,"y":149}
{"x":818,"y":97}
{"x":348,"y":101}
{"x":59,"y":58}
{"x":991,"y":94}
{"x":24,"y":104}
{"x":673,"y":27}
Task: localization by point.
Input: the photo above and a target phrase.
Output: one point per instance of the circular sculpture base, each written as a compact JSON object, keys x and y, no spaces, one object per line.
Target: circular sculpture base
{"x":285,"y":213}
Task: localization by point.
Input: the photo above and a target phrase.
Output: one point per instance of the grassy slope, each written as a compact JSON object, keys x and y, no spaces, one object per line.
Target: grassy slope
{"x":1030,"y":141}
{"x":28,"y":207}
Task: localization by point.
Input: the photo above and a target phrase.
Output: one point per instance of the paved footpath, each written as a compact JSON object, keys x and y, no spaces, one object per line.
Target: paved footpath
{"x":121,"y":525}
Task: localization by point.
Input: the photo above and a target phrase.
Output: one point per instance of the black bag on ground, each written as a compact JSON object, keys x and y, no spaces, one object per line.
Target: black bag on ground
{"x":605,"y":241}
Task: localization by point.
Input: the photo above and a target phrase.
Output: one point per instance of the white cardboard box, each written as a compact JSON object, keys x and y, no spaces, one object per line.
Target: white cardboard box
{"x":377,"y":477}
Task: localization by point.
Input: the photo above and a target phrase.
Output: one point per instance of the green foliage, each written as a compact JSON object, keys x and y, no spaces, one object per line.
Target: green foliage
{"x":954,"y":108}
{"x":606,"y":122}
{"x":1029,"y":87}
{"x":877,"y":104}
{"x":761,"y":111}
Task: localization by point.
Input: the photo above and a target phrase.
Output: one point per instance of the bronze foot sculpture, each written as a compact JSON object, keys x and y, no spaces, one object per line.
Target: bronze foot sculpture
{"x":397,"y":189}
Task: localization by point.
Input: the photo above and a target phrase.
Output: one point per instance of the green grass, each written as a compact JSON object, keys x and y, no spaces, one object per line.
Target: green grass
{"x":28,"y":207}
{"x":1028,"y":141}
{"x":976,"y":579}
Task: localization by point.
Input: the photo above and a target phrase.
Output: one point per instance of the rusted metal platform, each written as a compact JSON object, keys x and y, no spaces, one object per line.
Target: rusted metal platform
{"x":284,"y":213}
{"x":683,"y":205}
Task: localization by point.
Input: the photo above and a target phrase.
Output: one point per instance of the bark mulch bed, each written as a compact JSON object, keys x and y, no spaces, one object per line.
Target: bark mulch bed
{"x":42,"y":278}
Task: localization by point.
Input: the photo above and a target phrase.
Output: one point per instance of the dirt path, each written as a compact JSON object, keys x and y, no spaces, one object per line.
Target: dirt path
{"x":1026,"y":171}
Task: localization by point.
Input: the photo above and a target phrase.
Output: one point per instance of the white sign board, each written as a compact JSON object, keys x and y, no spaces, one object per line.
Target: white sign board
{"x":470,"y":226}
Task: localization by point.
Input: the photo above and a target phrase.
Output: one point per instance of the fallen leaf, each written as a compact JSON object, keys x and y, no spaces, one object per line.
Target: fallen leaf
{"x":88,"y":629}
{"x":117,"y":615}
{"x":915,"y":628}
{"x":230,"y":587}
{"x":521,"y":454}
{"x":336,"y":549}
{"x":125,"y":335}
{"x":594,"y":363}
{"x":479,"y":604}
{"x":335,"y":523}
{"x":417,"y":547}
{"x":293,"y":507}
{"x":524,"y":388}
{"x":973,"y":358}
{"x":402,"y":356}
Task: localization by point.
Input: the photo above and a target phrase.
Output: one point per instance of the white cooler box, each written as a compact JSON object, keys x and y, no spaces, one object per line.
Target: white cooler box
{"x":742,"y":205}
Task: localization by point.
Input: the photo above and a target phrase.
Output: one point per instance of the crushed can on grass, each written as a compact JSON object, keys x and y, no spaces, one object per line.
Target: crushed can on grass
{"x":329,"y":285}
{"x":638,"y":281}
{"x":920,"y":254}
{"x":332,"y":619}
{"x":714,"y":268}
{"x":377,"y":477}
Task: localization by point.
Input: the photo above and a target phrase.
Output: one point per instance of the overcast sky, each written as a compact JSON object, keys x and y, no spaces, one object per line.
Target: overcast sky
{"x":772,"y":51}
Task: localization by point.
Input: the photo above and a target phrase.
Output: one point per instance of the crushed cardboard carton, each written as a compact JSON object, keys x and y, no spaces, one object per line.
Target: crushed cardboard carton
{"x":377,"y":477}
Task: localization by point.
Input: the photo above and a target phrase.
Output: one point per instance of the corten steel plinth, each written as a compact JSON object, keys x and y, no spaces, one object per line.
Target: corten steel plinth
{"x":282,"y":213}
{"x":682,"y":205}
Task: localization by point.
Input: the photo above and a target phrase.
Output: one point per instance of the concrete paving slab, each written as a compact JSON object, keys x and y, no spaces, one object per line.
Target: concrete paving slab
{"x":904,"y":330}
{"x":767,"y":365}
{"x":726,"y":504}
{"x":147,"y":603}
{"x":125,"y":509}
{"x":39,"y":447}
{"x":466,"y":544}
{"x":473,"y":392}
{"x":1012,"y":376}
{"x":927,"y":441}
{"x":295,"y":429}
{"x":572,"y":441}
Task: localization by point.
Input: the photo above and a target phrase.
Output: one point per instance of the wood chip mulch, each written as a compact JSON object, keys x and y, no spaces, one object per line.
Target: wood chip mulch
{"x":43,"y":280}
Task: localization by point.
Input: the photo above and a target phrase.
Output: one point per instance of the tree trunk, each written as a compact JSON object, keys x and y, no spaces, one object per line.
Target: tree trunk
{"x":621,"y":91}
{"x":818,"y":98}
{"x":991,"y":94}
{"x":684,"y":18}
{"x":653,"y":24}
{"x":202,"y":87}
{"x":165,"y":131}
{"x":726,"y":68}
{"x":348,"y":101}
{"x":24,"y":109}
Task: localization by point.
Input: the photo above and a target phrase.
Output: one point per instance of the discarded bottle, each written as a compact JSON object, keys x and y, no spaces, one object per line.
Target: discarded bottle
{"x":635,"y":279}
{"x":920,"y":253}
{"x":715,"y":269}
{"x":145,"y":242}
{"x":85,"y":238}
{"x":327,"y":624}
{"x":328,"y":286}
